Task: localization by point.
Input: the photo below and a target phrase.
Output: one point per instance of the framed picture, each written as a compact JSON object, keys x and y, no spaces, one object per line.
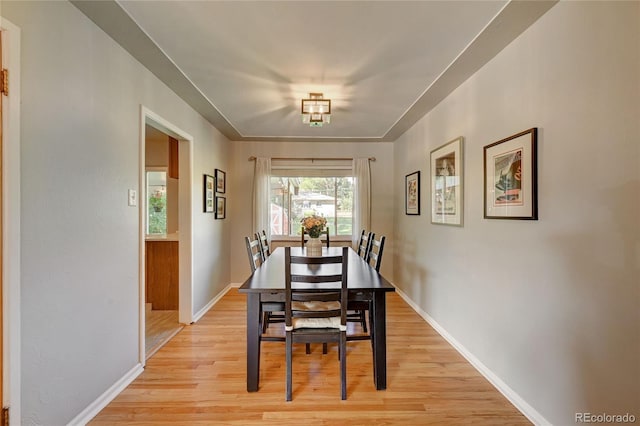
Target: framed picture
{"x":221,"y":207}
{"x":447,"y":191}
{"x":209,"y":194}
{"x":220,"y":181}
{"x":511,"y":177}
{"x":412,"y":193}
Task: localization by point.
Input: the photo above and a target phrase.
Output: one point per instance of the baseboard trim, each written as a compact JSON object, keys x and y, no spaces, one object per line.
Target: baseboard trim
{"x":96,"y":406}
{"x":527,"y":410}
{"x":211,"y":303}
{"x":103,"y":400}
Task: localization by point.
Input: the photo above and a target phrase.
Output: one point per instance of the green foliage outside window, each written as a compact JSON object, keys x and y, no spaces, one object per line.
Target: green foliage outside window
{"x":299,"y":197}
{"x":157,"y":203}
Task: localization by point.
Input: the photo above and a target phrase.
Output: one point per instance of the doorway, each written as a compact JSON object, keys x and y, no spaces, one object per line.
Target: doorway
{"x":162,"y":174}
{"x":165,"y":232}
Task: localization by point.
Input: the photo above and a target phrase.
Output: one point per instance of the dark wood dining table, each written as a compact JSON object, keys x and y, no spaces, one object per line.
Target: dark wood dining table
{"x":266,"y":284}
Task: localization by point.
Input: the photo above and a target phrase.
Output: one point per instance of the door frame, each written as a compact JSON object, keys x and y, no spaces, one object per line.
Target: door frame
{"x":185,"y":227}
{"x":11,"y":222}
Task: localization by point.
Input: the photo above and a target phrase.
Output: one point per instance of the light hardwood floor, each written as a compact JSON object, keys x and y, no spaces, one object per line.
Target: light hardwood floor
{"x":199,"y":378}
{"x":160,"y":327}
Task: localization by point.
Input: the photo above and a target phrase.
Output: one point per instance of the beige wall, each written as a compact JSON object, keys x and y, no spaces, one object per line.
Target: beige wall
{"x":79,"y":268}
{"x":240,"y":196}
{"x":549,"y":307}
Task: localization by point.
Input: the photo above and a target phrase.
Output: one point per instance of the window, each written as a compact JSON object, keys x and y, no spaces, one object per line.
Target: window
{"x":157,"y":201}
{"x":293,"y":198}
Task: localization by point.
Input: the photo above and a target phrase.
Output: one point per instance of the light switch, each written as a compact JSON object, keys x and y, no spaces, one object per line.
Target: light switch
{"x":133,"y":198}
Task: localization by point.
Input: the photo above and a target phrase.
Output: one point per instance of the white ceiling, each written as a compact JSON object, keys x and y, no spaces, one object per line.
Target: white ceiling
{"x":245,"y":65}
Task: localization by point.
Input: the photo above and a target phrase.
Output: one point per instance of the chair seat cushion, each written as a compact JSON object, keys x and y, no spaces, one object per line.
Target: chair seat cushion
{"x":332,"y":322}
{"x":315,"y":306}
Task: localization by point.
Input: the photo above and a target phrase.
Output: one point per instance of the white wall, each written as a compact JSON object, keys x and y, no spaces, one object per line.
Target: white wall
{"x":242,"y":184}
{"x":550,"y":306}
{"x":81,"y":97}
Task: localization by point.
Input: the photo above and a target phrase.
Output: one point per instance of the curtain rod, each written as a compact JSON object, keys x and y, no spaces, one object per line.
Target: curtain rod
{"x":252,"y":158}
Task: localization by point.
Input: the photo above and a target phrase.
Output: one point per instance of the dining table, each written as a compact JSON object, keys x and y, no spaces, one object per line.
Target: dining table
{"x":364,"y":283}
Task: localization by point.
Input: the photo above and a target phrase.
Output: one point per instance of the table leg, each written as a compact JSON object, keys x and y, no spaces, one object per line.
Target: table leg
{"x":379,"y":340}
{"x":253,"y":341}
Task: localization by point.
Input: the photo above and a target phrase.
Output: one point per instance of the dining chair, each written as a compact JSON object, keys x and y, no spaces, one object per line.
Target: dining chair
{"x":357,"y":309}
{"x":374,"y":259}
{"x":272,"y":312}
{"x":312,"y":315}
{"x":305,"y":237}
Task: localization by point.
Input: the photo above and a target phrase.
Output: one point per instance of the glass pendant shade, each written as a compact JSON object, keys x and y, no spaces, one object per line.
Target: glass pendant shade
{"x":316,"y":110}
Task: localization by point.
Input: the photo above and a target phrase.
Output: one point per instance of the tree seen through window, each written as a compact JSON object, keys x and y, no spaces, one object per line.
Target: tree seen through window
{"x":293,"y":198}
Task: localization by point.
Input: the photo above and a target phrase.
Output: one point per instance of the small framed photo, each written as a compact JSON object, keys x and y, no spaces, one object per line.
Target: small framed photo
{"x":511,"y":177}
{"x":447,"y":191}
{"x":412,"y":193}
{"x":220,"y":181}
{"x":221,"y":207}
{"x":209,"y":194}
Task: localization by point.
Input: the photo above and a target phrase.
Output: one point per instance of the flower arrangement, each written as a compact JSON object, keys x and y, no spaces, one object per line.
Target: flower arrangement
{"x":313,"y":225}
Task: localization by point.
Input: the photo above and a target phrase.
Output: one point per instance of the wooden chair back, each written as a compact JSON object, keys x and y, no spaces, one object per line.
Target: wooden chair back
{"x":375,"y":253}
{"x":264,"y":244}
{"x":254,"y":252}
{"x":305,"y":237}
{"x":364,"y":245}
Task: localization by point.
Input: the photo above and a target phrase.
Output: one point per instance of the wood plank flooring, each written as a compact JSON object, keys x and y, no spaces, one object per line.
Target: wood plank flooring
{"x":199,"y":377}
{"x":160,"y":327}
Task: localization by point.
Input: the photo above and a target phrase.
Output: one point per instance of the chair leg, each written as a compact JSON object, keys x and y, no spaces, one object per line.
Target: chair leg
{"x":307,"y":348}
{"x":288,"y":361}
{"x":369,"y":313}
{"x":265,"y":321}
{"x":324,"y":348}
{"x":343,"y":365}
{"x":363,"y":320}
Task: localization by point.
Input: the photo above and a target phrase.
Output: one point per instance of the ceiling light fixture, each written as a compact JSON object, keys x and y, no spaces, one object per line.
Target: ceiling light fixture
{"x":316,"y":110}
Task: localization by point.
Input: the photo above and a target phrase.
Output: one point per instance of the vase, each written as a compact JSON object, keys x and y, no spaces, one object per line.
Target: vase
{"x":314,"y":247}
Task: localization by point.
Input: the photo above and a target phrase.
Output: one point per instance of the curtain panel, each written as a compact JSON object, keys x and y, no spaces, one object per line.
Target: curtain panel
{"x":261,"y":203}
{"x":361,"y":198}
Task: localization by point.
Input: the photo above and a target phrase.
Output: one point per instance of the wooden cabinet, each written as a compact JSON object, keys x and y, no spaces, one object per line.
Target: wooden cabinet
{"x":161,"y":270}
{"x":174,"y":159}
